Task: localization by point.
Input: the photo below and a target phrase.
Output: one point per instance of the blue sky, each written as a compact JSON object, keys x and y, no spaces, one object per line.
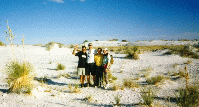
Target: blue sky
{"x":73,"y":21}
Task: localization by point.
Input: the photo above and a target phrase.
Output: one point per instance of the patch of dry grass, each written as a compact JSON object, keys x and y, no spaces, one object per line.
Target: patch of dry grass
{"x":129,"y":83}
{"x":155,"y":80}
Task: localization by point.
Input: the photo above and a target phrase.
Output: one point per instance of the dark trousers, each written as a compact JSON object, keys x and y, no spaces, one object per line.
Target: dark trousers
{"x":99,"y":75}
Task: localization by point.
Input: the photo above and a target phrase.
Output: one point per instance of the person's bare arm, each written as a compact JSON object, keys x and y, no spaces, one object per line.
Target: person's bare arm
{"x":75,"y":50}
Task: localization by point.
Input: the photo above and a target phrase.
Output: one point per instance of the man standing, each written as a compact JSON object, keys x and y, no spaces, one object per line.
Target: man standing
{"x":81,"y":63}
{"x":99,"y":69}
{"x":90,"y":63}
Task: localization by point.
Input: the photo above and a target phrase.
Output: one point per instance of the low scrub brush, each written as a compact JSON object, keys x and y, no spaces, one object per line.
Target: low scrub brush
{"x":129,"y":83}
{"x":155,"y":80}
{"x":188,"y":97}
{"x":60,"y":67}
{"x":19,"y":77}
{"x":148,"y":96}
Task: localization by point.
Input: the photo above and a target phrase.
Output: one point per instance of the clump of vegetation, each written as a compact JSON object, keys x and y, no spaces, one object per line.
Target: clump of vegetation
{"x":188,"y":62}
{"x":74,"y":89}
{"x":38,"y":45}
{"x":148,"y":96}
{"x":117,"y":99}
{"x":2,"y":44}
{"x":148,"y":69}
{"x":88,"y":98}
{"x":188,"y":97}
{"x":132,"y":53}
{"x":19,"y":77}
{"x":129,"y":83}
{"x":60,"y":67}
{"x":155,"y":80}
{"x":115,"y":87}
{"x":184,"y":51}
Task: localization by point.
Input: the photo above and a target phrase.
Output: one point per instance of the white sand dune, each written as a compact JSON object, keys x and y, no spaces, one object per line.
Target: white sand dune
{"x":56,"y":93}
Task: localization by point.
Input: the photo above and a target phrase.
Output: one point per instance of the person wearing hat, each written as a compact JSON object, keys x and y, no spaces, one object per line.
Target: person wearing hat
{"x":106,"y":64}
{"x":90,"y":69}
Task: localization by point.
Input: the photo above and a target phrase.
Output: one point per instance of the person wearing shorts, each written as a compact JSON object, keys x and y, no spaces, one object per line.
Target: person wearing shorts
{"x":81,"y":63}
{"x":106,"y":65}
{"x":90,"y":69}
{"x":98,"y":67}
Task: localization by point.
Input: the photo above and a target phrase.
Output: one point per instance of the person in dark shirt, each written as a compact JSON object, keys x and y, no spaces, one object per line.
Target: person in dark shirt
{"x":81,"y":63}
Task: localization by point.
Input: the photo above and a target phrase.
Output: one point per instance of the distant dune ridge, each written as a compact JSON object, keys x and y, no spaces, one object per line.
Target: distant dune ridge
{"x":139,"y":43}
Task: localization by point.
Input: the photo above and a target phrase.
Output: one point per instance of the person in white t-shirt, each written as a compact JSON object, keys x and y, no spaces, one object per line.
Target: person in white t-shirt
{"x":90,"y":64}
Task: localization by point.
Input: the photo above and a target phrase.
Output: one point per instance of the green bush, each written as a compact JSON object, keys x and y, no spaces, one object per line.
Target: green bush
{"x":60,"y":67}
{"x":2,"y":44}
{"x":19,"y":77}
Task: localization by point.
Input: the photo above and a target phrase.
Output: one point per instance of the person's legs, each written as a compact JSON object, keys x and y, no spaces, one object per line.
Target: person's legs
{"x":101,"y":76}
{"x":93,"y":72}
{"x":97,"y":76}
{"x":87,"y":73}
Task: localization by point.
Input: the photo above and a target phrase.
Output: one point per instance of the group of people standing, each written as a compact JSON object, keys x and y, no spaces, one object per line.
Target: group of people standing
{"x":96,"y":63}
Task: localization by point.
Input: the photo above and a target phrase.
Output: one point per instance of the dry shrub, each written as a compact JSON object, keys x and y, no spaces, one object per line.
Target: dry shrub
{"x":65,"y":75}
{"x":19,"y":77}
{"x":188,"y":97}
{"x":129,"y":83}
{"x":115,"y":87}
{"x":155,"y":80}
{"x":117,"y":99}
{"x":188,"y":62}
{"x":148,"y":96}
{"x":132,"y":53}
{"x":88,"y":98}
{"x":74,"y":89}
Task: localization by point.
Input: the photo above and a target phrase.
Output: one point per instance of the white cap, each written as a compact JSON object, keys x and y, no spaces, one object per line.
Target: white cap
{"x":105,"y":49}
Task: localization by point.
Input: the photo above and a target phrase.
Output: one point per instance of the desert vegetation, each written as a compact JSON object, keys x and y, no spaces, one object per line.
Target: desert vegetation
{"x":2,"y":44}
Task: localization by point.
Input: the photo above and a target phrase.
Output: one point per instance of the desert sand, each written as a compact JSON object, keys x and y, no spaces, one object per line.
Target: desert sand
{"x":56,"y":93}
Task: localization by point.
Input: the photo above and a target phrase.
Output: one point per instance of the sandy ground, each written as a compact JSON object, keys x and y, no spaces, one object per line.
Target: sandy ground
{"x":55,"y":92}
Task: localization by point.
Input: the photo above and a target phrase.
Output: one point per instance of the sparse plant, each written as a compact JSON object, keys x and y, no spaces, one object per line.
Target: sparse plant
{"x":148,"y":96}
{"x":155,"y":80}
{"x":88,"y":98}
{"x":10,"y":38}
{"x":129,"y":83}
{"x":175,"y":65}
{"x":188,"y":97}
{"x":65,"y":75}
{"x":148,"y":69}
{"x":188,"y":62}
{"x":114,"y":78}
{"x":115,"y":87}
{"x":60,"y":67}
{"x":117,"y":99}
